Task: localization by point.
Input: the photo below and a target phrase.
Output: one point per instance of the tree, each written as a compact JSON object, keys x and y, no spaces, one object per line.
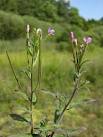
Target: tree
{"x":49,"y":10}
{"x":63,"y":8}
{"x":75,"y":18}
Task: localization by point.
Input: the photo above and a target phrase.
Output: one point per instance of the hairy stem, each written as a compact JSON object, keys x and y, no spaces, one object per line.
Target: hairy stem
{"x":70,"y":100}
{"x":67,"y":105}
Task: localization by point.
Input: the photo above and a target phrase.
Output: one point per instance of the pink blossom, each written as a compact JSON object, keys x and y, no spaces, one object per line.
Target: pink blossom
{"x":87,"y":40}
{"x":51,"y":31}
{"x":73,"y":38}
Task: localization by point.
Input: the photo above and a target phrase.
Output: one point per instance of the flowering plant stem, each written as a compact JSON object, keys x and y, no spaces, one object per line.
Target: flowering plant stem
{"x":31,"y":98}
{"x":77,"y":60}
{"x":67,"y":105}
{"x":33,"y":45}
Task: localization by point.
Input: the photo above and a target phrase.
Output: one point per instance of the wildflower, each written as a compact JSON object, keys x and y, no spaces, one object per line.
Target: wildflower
{"x":75,"y":41}
{"x":51,"y":31}
{"x":87,"y":40}
{"x":73,"y":38}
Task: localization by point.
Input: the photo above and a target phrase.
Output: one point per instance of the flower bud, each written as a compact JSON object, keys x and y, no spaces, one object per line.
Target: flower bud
{"x":72,"y":36}
{"x":28,"y":28}
{"x":39,"y":32}
{"x":75,"y":41}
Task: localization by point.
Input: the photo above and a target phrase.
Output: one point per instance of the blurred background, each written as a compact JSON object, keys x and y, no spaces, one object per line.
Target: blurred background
{"x":80,"y":16}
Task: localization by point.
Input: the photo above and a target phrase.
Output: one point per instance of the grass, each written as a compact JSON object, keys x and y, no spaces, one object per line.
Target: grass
{"x":57,"y":74}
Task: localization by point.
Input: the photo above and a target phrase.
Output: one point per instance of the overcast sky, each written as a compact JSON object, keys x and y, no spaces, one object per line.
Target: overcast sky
{"x":89,"y":8}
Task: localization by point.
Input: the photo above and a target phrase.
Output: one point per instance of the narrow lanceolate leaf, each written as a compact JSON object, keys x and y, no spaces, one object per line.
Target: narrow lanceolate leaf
{"x":47,"y":92}
{"x":75,"y":132}
{"x":83,"y":102}
{"x":70,"y":132}
{"x":34,"y":100}
{"x":83,"y":62}
{"x":22,"y":95}
{"x":18,"y":118}
{"x":57,"y":115}
{"x":22,"y":110}
{"x":20,"y":135}
{"x":36,"y":59}
{"x":27,"y":73}
{"x":30,"y":51}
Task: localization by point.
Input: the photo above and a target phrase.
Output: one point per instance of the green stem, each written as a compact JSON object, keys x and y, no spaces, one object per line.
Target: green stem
{"x":27,"y":46}
{"x":77,"y":80}
{"x":39,"y":62}
{"x":70,"y":100}
{"x":13,"y":70}
{"x":66,"y":106}
{"x":31,"y":97}
{"x":81,"y":57}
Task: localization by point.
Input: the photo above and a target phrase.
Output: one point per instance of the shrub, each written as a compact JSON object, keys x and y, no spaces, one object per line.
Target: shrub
{"x":62,"y":46}
{"x":34,"y":22}
{"x":11,"y":26}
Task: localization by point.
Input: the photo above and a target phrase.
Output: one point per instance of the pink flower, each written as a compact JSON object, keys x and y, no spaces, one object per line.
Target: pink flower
{"x":87,"y":40}
{"x":73,"y":38}
{"x":51,"y":31}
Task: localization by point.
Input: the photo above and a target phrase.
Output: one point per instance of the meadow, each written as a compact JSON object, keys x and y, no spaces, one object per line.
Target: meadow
{"x":59,"y":69}
{"x":57,"y":75}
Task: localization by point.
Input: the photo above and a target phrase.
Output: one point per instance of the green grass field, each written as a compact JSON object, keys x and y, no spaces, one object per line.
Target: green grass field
{"x":57,"y":71}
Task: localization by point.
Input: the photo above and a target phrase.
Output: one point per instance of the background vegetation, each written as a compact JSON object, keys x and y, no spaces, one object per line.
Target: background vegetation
{"x":57,"y":65}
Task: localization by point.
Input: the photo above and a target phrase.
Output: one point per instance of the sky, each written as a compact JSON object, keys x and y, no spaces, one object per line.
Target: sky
{"x":89,"y":9}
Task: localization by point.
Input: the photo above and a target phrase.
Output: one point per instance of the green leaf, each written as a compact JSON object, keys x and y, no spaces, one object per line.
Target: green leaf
{"x":34,"y":100}
{"x":18,"y":117}
{"x":23,"y":95}
{"x":22,"y":110}
{"x":75,"y":132}
{"x":57,"y":114}
{"x":85,"y":61}
{"x":83,"y":102}
{"x":36,"y":135}
{"x":47,"y":92}
{"x":44,"y":121}
{"x":20,"y":135}
{"x":27,"y":72}
{"x":30,"y":51}
{"x":70,"y":132}
{"x":36,"y":59}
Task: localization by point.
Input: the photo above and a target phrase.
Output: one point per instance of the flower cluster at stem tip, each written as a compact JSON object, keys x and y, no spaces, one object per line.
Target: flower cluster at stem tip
{"x":87,"y":40}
